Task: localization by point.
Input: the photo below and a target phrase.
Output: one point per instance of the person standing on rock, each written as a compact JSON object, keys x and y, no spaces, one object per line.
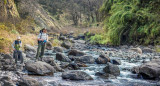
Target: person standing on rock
{"x":17,"y":45}
{"x":42,"y":39}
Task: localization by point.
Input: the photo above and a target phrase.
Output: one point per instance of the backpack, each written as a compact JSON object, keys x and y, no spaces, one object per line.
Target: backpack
{"x":17,"y":42}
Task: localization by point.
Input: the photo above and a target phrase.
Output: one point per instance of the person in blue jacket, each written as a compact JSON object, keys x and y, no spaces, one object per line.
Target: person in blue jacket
{"x":42,"y":39}
{"x":17,"y":46}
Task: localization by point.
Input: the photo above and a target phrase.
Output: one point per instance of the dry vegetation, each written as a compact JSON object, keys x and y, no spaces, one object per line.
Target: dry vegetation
{"x":9,"y":34}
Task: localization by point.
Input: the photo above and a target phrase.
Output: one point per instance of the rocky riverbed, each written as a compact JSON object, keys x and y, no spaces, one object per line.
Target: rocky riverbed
{"x":77,"y":63}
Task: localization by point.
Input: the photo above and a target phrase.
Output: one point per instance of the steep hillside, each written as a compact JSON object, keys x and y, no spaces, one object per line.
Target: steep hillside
{"x":8,"y":11}
{"x":33,"y":8}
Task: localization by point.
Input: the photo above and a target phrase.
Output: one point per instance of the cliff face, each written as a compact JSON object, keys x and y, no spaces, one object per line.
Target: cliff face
{"x":34,"y":9}
{"x":8,"y":11}
{"x":15,"y":10}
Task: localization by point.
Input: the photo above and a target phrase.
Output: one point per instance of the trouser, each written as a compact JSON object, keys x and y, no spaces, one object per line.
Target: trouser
{"x":40,"y":50}
{"x":18,"y":55}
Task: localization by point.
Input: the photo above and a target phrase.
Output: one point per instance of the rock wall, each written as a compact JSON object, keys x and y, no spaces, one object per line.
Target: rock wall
{"x":34,"y":9}
{"x":8,"y":11}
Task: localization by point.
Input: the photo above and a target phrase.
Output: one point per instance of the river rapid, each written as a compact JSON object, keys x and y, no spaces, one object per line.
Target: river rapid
{"x":129,"y":59}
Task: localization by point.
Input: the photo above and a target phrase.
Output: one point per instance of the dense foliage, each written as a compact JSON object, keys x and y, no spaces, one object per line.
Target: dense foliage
{"x":132,"y":21}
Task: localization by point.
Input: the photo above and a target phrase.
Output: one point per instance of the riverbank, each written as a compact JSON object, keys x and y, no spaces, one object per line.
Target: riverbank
{"x":78,"y":63}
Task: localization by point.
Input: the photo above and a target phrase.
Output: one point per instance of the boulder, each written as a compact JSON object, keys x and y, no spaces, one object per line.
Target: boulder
{"x":66,"y":44}
{"x":76,"y":53}
{"x":7,"y":63}
{"x":73,"y":66}
{"x":51,"y":61}
{"x":49,"y":45}
{"x":80,"y":36}
{"x":62,"y":38}
{"x":147,"y":50}
{"x":86,"y":59}
{"x":150,"y":70}
{"x":29,"y":48}
{"x":7,"y":81}
{"x":112,"y":69}
{"x":80,"y":64}
{"x":7,"y":56}
{"x":102,"y":59}
{"x":116,"y":61}
{"x":40,"y":68}
{"x":30,"y":51}
{"x":27,"y":81}
{"x":135,"y":70}
{"x":76,"y":75}
{"x":62,"y":57}
{"x":105,"y":75}
{"x":58,"y":49}
{"x":137,"y":50}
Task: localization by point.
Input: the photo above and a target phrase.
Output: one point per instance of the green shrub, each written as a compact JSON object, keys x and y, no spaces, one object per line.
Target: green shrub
{"x":131,"y":20}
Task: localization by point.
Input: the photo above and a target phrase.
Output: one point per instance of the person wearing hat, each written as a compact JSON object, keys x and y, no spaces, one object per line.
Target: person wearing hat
{"x":42,"y":39}
{"x":17,"y":45}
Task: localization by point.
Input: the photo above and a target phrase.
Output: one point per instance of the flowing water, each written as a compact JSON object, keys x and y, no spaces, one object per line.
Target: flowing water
{"x":126,"y":78}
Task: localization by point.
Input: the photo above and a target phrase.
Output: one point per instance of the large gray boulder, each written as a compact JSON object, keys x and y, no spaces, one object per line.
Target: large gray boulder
{"x":58,"y":49}
{"x":76,"y":75}
{"x":150,"y":70}
{"x":29,"y":48}
{"x":137,"y":50}
{"x":102,"y":59}
{"x":40,"y":68}
{"x":66,"y":44}
{"x":147,"y":50}
{"x":7,"y":63}
{"x":62,"y":57}
{"x":51,"y":61}
{"x":116,"y":61}
{"x":112,"y":69}
{"x":49,"y":45}
{"x":30,"y":51}
{"x":76,"y":53}
{"x":27,"y":81}
{"x":86,"y":59}
{"x":6,"y":81}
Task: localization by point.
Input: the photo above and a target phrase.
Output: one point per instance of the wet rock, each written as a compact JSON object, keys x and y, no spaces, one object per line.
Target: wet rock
{"x":102,"y":59}
{"x":112,"y":69}
{"x":57,"y":49}
{"x":76,"y":53}
{"x":135,"y":69}
{"x":62,"y":57}
{"x":147,"y":50}
{"x":66,"y":44}
{"x":52,"y":63}
{"x":30,"y":51}
{"x":62,"y":38}
{"x":40,"y":68}
{"x":27,"y":81}
{"x":150,"y":70}
{"x":105,"y":75}
{"x":29,"y":48}
{"x":7,"y":56}
{"x":6,"y":81}
{"x":54,"y":83}
{"x":137,"y":50}
{"x":116,"y":62}
{"x":86,"y":59}
{"x":64,"y":65}
{"x":73,"y":66}
{"x":49,"y":45}
{"x":76,"y":75}
{"x":81,"y":36}
{"x":81,"y":64}
{"x":7,"y":63}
